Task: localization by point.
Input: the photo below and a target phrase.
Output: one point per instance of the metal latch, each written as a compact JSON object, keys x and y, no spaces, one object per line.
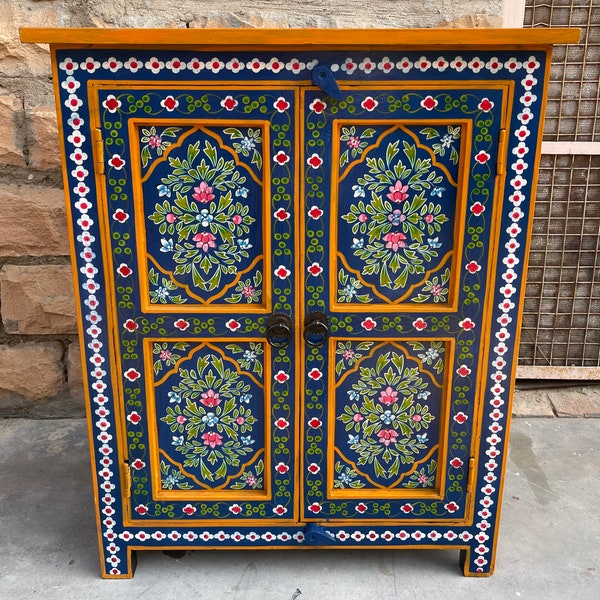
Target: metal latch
{"x":316,"y":535}
{"x":323,"y":77}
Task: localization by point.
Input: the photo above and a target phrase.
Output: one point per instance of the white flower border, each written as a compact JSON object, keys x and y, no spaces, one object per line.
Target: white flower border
{"x":79,"y":160}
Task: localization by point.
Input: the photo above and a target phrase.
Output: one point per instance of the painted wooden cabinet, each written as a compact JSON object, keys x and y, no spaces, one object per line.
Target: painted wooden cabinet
{"x":299,"y":259}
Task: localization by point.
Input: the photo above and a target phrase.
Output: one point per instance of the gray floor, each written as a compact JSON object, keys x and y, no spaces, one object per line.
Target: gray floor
{"x":549,"y":543}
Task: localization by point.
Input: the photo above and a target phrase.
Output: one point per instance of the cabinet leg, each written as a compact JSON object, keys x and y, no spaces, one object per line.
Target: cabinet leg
{"x":473,"y":565}
{"x":120,"y":564}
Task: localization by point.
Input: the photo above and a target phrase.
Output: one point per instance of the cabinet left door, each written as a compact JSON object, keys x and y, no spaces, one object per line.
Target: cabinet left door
{"x":197,"y":187}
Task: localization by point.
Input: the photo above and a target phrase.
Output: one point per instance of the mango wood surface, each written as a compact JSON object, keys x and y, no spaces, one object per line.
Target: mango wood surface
{"x":301,"y":38}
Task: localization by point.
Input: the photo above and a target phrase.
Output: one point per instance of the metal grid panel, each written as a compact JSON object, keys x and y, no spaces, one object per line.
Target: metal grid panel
{"x":561,"y":320}
{"x":573,"y":111}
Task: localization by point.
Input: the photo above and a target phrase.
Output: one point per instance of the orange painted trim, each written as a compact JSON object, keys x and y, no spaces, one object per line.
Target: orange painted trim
{"x":300,"y":38}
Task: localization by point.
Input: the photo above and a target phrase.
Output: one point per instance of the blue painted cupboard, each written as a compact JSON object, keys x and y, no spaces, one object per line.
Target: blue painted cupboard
{"x":299,"y":261}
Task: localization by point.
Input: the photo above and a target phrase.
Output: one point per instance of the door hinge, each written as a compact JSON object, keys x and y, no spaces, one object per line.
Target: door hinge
{"x":471,"y":467}
{"x":470,"y":491}
{"x":501,"y":164}
{"x":99,"y":151}
{"x":126,"y":470}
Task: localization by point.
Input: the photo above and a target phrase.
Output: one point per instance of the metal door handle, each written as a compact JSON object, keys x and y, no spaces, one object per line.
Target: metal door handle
{"x":323,"y":77}
{"x":279,"y":330}
{"x":316,"y":329}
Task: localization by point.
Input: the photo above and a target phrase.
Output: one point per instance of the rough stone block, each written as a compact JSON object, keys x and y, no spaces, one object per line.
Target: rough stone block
{"x":44,"y":152}
{"x":37,"y":299}
{"x":269,"y":13}
{"x":74,"y":373}
{"x":32,"y":221}
{"x":576,"y":402}
{"x":11,"y":140}
{"x":476,"y":21}
{"x":32,"y":370}
{"x":24,"y":59}
{"x":532,"y":403}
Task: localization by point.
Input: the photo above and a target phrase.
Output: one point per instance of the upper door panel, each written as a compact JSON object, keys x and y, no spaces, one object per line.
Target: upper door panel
{"x":401,"y":193}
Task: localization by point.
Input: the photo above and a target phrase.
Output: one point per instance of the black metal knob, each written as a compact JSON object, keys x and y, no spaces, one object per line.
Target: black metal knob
{"x":316,"y":329}
{"x":279,"y":330}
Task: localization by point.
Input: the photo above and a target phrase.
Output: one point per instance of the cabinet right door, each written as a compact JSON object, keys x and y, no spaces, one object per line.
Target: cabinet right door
{"x":400,"y":189}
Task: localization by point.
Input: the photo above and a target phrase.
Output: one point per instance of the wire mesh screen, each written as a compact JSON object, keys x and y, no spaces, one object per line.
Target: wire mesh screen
{"x":561,"y":320}
{"x":573,"y":110}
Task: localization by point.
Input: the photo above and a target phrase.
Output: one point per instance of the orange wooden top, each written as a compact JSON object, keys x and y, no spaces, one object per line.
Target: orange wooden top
{"x":301,"y":38}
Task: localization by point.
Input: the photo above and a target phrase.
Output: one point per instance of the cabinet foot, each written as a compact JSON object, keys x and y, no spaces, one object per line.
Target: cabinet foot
{"x":119,"y":565}
{"x":476,"y":566}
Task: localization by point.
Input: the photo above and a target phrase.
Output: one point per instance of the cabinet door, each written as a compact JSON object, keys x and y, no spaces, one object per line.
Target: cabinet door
{"x":199,"y":190}
{"x":400,"y":188}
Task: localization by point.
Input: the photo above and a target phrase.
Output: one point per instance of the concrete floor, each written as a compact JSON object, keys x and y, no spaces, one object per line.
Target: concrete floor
{"x":549,"y":540}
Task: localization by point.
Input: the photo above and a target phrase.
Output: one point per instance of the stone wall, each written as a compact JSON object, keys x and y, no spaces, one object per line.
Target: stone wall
{"x":40,"y":373}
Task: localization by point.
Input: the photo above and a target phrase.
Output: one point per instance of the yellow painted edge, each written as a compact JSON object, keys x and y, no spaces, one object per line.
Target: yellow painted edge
{"x":300,"y":38}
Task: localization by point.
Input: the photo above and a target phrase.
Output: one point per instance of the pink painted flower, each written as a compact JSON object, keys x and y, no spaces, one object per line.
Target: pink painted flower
{"x":247,"y":291}
{"x":165,"y":354}
{"x":155,"y":141}
{"x":397,"y":192}
{"x":394,"y":240}
{"x":354,"y":142}
{"x":388,"y":396}
{"x":387,"y":436}
{"x":210,"y":399}
{"x":203,"y":193}
{"x":205,"y":241}
{"x":212,"y":439}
